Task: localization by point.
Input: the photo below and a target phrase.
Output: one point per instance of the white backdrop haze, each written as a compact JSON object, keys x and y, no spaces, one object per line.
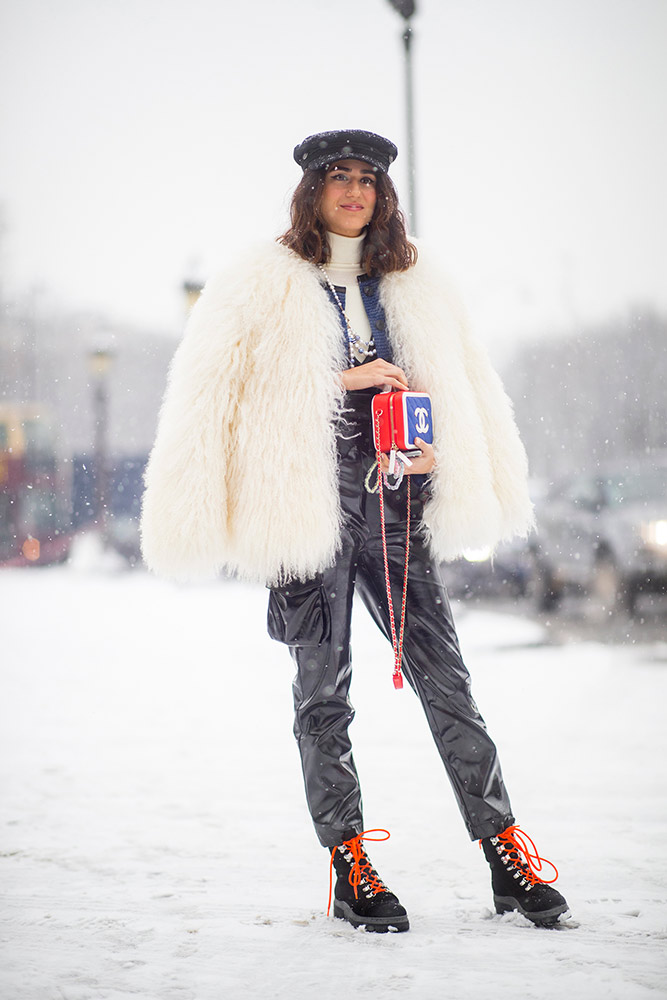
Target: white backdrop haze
{"x":145,"y":140}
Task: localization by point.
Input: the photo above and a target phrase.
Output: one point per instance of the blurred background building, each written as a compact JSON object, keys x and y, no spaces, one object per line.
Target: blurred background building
{"x":79,"y":399}
{"x":592,"y":396}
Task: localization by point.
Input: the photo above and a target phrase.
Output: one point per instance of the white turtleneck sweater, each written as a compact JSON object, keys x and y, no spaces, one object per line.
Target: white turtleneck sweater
{"x":343,"y":268}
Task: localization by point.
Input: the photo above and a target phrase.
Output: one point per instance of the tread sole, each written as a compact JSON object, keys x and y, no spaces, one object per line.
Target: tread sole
{"x":379,"y":925}
{"x":543,"y":918}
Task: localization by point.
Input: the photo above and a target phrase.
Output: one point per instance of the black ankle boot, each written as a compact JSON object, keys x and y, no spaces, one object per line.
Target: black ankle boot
{"x":361,"y":897}
{"x":516,"y":884}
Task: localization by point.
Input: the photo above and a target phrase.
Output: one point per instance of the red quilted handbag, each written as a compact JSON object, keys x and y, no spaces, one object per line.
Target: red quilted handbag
{"x":399,"y":417}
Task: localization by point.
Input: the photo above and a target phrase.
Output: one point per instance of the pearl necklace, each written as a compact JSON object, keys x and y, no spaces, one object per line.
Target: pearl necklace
{"x":355,"y":343}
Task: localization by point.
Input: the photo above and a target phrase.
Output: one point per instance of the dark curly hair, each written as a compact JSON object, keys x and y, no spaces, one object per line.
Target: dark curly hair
{"x":386,"y":247}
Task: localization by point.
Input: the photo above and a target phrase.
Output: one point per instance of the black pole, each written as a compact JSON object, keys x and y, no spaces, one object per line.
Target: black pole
{"x":100,"y":362}
{"x":101,"y":411}
{"x":410,"y":129}
{"x":406,"y":8}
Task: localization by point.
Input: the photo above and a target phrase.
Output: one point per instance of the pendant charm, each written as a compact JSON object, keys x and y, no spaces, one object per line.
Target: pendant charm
{"x":355,"y":343}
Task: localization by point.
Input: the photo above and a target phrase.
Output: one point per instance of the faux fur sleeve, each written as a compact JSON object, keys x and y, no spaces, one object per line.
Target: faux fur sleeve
{"x":243,"y":474}
{"x":479,"y":486}
{"x":509,"y":463}
{"x":184,"y":513}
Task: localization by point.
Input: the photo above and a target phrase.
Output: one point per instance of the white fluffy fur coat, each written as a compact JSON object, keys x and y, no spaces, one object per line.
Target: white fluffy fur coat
{"x":243,"y":473}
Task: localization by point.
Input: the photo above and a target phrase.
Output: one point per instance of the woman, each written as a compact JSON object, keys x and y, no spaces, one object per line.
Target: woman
{"x":261,"y":465}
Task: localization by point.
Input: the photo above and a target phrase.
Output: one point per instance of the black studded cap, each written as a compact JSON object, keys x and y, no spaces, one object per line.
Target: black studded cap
{"x":326,"y":147}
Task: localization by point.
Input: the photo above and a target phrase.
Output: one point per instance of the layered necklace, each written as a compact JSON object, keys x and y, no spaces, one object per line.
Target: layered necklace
{"x":359,"y":349}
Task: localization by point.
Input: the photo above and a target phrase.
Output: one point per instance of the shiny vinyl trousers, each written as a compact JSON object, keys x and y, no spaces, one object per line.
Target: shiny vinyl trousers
{"x":313,"y":617}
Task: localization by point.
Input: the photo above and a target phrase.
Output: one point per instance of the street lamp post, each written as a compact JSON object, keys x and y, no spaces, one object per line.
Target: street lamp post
{"x":192,"y":290}
{"x":100,"y":360}
{"x":406,"y":8}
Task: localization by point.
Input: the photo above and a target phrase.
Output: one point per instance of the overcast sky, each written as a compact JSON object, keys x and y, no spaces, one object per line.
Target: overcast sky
{"x":145,"y":140}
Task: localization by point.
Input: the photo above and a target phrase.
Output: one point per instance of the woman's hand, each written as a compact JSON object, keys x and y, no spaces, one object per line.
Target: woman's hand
{"x":421,"y":465}
{"x":376,"y":372}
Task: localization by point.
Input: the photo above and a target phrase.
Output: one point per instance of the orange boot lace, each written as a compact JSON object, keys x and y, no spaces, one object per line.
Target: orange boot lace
{"x":516,"y":843}
{"x":361,"y":869}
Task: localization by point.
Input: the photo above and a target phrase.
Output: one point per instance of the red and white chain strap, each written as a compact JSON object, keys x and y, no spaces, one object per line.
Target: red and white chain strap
{"x":396,"y":640}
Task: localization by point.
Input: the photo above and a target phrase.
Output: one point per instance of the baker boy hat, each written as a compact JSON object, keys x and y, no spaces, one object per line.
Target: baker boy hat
{"x":354,"y":144}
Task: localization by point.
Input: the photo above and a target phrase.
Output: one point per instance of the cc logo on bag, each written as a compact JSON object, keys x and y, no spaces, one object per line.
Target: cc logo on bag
{"x":421,"y":421}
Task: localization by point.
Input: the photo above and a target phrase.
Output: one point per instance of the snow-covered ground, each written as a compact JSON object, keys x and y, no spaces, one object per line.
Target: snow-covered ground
{"x":155,"y":841}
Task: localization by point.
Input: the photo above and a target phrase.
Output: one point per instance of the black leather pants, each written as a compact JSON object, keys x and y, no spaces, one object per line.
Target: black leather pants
{"x":313,"y":618}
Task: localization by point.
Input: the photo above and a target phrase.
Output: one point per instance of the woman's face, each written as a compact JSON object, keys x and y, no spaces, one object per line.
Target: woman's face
{"x":348,"y":197}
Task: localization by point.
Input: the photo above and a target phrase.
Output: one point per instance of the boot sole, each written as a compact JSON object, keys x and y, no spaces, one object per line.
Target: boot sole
{"x":543,"y":918}
{"x":379,"y":925}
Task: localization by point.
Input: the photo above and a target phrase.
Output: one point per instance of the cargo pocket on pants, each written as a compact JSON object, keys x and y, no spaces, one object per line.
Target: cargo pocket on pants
{"x":298,"y":613}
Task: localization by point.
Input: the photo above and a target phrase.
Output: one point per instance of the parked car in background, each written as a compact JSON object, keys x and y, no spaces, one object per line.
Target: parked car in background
{"x":603,"y":533}
{"x":506,"y":572}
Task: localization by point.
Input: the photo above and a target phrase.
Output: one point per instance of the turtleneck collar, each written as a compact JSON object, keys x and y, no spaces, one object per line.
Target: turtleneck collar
{"x":345,"y":250}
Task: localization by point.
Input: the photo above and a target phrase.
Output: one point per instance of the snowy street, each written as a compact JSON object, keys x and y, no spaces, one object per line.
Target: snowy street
{"x":156,"y":843}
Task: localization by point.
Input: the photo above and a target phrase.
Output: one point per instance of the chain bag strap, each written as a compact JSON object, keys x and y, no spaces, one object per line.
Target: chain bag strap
{"x":396,"y":639}
{"x":398,"y":417}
